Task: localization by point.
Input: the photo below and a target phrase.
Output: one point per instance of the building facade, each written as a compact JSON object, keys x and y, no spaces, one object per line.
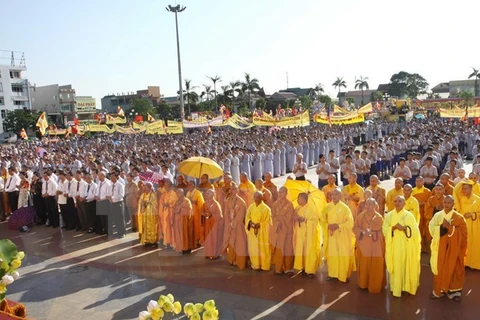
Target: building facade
{"x":14,"y":89}
{"x":112,"y":101}
{"x":57,"y":101}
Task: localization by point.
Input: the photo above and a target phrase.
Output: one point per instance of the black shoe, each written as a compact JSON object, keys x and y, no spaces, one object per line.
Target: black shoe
{"x":121,"y":236}
{"x":91,"y":230}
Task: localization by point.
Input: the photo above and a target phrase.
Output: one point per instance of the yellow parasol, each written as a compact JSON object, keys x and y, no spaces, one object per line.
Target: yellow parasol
{"x":197,"y":166}
{"x":315,"y":196}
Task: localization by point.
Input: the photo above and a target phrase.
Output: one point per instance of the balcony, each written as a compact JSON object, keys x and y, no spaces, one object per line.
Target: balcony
{"x":66,"y":108}
{"x":19,"y":96}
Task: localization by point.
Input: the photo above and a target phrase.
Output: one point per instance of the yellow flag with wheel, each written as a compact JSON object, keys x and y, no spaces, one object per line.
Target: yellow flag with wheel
{"x":42,"y":123}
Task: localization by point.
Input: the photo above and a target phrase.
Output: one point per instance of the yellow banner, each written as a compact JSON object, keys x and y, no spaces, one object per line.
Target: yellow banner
{"x":57,"y":132}
{"x":338,"y":120}
{"x":368,"y":108}
{"x":127,"y":130}
{"x":473,"y":112}
{"x":85,"y":104}
{"x":116,"y":120}
{"x":98,"y":128}
{"x":302,"y":120}
{"x":338,"y":109}
{"x":173,"y":127}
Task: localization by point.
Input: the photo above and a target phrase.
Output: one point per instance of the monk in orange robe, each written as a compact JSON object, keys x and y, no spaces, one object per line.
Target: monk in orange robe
{"x":222,"y":190}
{"x":281,"y":233}
{"x":235,"y":237}
{"x":182,"y":224}
{"x":246,"y":189}
{"x":445,"y":180}
{"x":449,"y":245}
{"x":433,"y":205}
{"x":212,"y":214}
{"x":267,"y":195}
{"x":196,"y":199}
{"x":370,"y":250}
{"x":204,"y":184}
{"x":378,"y":193}
{"x":328,"y":189}
{"x":422,"y":195}
{"x":270,"y":186}
{"x":166,"y":203}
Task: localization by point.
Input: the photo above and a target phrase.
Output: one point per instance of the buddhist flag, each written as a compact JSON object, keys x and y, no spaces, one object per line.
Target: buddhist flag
{"x":42,"y":123}
{"x":110,"y":118}
{"x":150,"y":118}
{"x":328,"y":115}
{"x":120,"y":112}
{"x":23,"y":134}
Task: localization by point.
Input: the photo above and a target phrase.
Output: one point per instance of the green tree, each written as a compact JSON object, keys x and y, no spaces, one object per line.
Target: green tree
{"x":141,"y":106}
{"x":326,"y":100}
{"x":206,"y":94}
{"x":17,"y":120}
{"x":351,"y":100}
{"x":376,"y":96}
{"x":234,"y":87}
{"x":431,"y":95}
{"x":318,"y":89}
{"x":189,"y":94}
{"x":476,"y":74}
{"x":407,"y":84}
{"x":225,"y":97}
{"x":339,"y":83}
{"x":306,"y":102}
{"x":243,"y":110}
{"x":250,"y":85}
{"x":362,"y":83}
{"x":466,"y":97}
{"x":215,"y":80}
{"x":261,"y":103}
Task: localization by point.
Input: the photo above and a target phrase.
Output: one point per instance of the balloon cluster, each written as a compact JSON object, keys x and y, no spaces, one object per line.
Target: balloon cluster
{"x":157,"y":310}
{"x":10,"y":261}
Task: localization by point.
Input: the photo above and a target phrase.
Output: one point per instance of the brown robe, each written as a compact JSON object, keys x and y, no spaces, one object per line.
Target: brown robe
{"x":379,"y":195}
{"x":234,"y":236}
{"x":370,"y":252}
{"x":183,"y":225}
{"x":281,"y":235}
{"x":432,"y":206}
{"x":273,"y":189}
{"x":422,"y":199}
{"x":213,"y":229}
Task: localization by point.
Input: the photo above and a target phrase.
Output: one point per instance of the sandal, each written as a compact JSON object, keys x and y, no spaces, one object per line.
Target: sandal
{"x":290,"y":274}
{"x":433,"y":297}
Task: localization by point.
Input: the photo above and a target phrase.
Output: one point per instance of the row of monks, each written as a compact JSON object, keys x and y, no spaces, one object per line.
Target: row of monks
{"x":351,"y":231}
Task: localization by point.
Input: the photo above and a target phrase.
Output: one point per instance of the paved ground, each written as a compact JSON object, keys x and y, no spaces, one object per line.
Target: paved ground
{"x":82,"y":276}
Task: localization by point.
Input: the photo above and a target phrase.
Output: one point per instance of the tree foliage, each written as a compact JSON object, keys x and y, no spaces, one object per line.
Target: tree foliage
{"x":466,"y":96}
{"x":325,"y":99}
{"x":407,"y":84}
{"x":306,"y":102}
{"x":261,"y":103}
{"x":167,"y":111}
{"x":142,"y":107}
{"x":475,"y":74}
{"x":17,"y":120}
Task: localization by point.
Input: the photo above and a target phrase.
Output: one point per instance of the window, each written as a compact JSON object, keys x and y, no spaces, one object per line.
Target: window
{"x":18,"y":103}
{"x":2,"y":103}
{"x":68,"y":95}
{"x":60,"y":96}
{"x":1,"y":87}
{"x":17,"y":88}
{"x":14,"y":74}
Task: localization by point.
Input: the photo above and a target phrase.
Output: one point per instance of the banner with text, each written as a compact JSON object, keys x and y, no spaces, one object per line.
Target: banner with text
{"x":350,"y":118}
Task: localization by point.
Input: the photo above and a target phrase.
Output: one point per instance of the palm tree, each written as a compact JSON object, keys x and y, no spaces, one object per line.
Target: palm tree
{"x":318,"y":90}
{"x":207,"y":93}
{"x":234,"y":85}
{"x":215,"y":80}
{"x":362,"y":84}
{"x":249,"y":86}
{"x":224,"y":97}
{"x":476,"y":74}
{"x":339,"y":83}
{"x":189,"y":95}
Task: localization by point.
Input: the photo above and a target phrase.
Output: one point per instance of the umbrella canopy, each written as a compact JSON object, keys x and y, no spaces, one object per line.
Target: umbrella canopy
{"x":150,"y":176}
{"x":419,"y":116}
{"x":315,"y":196}
{"x":197,"y":166}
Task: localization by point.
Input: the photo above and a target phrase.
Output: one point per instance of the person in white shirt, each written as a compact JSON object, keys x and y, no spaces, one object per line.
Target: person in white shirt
{"x":72,"y":216}
{"x":49,"y":191}
{"x":78,"y":190}
{"x":11,"y":188}
{"x":117,"y":215}
{"x":402,"y":171}
{"x":2,"y":204}
{"x":165,"y":174}
{"x":62,"y":192}
{"x":300,"y":168}
{"x":334,"y":164}
{"x":90,"y":202}
{"x":323,"y":172}
{"x":104,"y":193}
{"x":429,"y":173}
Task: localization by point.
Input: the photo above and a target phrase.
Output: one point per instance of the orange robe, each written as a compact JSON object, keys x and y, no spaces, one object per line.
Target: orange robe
{"x":196,"y":199}
{"x":273,"y":189}
{"x":281,"y":235}
{"x":166,"y":203}
{"x":234,"y":236}
{"x":448,"y":253}
{"x":213,"y":229}
{"x":432,"y":206}
{"x":357,"y":191}
{"x":183,"y":225}
{"x":422,"y":195}
{"x":379,"y":195}
{"x":327,"y":191}
{"x":267,"y":197}
{"x":370,"y":252}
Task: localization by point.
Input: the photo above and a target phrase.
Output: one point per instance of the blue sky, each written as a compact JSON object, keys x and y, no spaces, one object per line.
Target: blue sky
{"x":106,"y":46}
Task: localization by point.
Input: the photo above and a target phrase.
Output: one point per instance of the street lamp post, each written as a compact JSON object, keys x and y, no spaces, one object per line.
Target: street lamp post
{"x":176,"y":9}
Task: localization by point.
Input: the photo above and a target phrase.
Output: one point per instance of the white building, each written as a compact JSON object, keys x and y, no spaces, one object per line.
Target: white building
{"x":14,"y":90}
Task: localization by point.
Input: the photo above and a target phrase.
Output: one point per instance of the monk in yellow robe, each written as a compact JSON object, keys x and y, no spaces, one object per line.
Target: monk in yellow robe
{"x":182,"y":224}
{"x":257,"y":223}
{"x":339,"y":240}
{"x":352,"y":194}
{"x":470,"y":205}
{"x":449,"y":245}
{"x":393,"y":193}
{"x":378,"y":193}
{"x":327,"y":190}
{"x":168,"y":200}
{"x":370,"y":250}
{"x":422,"y":195}
{"x":457,"y":191}
{"x":246,"y":189}
{"x":271,"y":186}
{"x":308,"y":237}
{"x":434,"y":204}
{"x":205,"y":184}
{"x":281,"y":233}
{"x":196,"y":199}
{"x":411,"y":203}
{"x":148,"y":219}
{"x":402,"y":249}
{"x":235,"y":237}
{"x":212,"y":214}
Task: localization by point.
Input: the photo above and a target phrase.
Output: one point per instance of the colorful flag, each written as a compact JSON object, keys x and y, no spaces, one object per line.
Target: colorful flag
{"x":120,"y":112}
{"x":150,"y":118}
{"x":328,"y":115}
{"x":23,"y":134}
{"x":42,"y":123}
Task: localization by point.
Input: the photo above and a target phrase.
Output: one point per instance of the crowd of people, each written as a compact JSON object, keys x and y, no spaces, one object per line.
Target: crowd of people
{"x":98,"y":185}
